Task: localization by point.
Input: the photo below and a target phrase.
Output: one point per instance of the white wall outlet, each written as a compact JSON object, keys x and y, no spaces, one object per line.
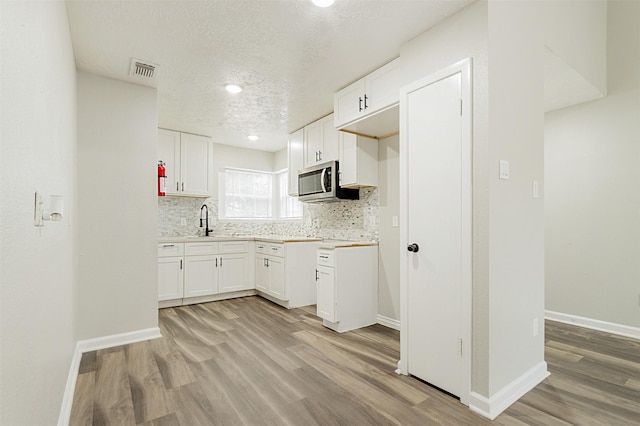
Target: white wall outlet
{"x":536,"y":189}
{"x":504,"y":169}
{"x":394,"y":221}
{"x":183,"y":221}
{"x":536,"y":328}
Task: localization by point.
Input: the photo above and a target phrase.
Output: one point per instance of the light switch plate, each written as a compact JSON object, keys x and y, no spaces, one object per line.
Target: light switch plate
{"x":504,"y":169}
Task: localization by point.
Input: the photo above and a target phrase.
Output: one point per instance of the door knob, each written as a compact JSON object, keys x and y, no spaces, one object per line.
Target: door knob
{"x":413,"y":247}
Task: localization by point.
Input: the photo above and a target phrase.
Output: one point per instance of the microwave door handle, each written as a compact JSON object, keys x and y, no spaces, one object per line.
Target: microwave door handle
{"x":322,"y":178}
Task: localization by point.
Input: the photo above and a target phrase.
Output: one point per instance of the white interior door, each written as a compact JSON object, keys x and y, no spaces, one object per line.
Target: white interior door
{"x":435,"y":223}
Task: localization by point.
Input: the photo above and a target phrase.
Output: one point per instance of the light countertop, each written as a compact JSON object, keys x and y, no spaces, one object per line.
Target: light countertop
{"x":220,"y":238}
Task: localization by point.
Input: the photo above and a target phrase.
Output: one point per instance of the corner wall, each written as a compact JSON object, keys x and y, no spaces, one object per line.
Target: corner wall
{"x":592,"y":189}
{"x":117,"y":222}
{"x":38,"y":143}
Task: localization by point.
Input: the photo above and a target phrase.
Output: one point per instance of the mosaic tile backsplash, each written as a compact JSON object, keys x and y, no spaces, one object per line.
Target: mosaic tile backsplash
{"x":344,"y":220}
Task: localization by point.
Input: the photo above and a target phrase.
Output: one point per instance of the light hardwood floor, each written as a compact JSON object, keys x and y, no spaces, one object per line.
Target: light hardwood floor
{"x":249,"y":362}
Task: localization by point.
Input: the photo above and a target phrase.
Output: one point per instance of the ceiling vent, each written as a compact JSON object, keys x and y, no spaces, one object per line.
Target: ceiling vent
{"x":142,"y":69}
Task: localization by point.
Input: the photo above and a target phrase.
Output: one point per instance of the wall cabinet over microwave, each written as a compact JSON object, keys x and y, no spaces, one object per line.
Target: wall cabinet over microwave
{"x":187,"y":158}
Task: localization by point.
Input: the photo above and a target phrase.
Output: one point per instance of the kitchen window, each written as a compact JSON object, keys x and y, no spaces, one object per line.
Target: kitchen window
{"x":256,"y":195}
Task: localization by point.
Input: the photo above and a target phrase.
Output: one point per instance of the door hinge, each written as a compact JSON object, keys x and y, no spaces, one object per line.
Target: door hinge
{"x":460,"y":103}
{"x":460,"y":346}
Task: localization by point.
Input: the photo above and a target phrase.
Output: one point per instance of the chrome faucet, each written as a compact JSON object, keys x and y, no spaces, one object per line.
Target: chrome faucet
{"x":204,"y":211}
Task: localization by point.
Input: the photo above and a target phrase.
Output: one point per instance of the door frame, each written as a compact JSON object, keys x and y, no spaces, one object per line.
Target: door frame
{"x":464,"y":68}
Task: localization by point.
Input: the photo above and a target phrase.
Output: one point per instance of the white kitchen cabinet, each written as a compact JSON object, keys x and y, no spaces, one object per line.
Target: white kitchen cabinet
{"x":187,"y":159}
{"x":347,"y":286}
{"x":358,"y":161}
{"x":296,"y":160}
{"x":170,"y":278}
{"x":285,"y":273}
{"x":326,"y":305}
{"x":321,"y":142}
{"x":367,"y":96}
{"x":233,"y":272}
{"x":200,"y":276}
{"x":170,"y":271}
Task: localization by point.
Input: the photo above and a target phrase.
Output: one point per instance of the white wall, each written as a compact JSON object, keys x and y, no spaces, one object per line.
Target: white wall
{"x":575,"y":30}
{"x":388,"y":235}
{"x":37,"y":153}
{"x":592,"y":176}
{"x":117,"y":222}
{"x":516,"y":219}
{"x":280,"y":159}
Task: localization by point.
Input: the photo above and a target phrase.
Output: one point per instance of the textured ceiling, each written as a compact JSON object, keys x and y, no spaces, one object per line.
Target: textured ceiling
{"x":289,"y":56}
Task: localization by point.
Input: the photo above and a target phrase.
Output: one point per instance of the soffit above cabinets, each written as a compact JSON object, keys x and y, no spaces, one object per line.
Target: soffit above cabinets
{"x":289,"y":56}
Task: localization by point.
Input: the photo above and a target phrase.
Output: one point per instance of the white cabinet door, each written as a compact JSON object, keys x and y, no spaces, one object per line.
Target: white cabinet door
{"x":169,"y":153}
{"x":312,"y":143}
{"x":296,"y":159}
{"x":348,"y":159}
{"x":348,"y":103}
{"x":200,"y":275}
{"x":326,"y":305}
{"x":383,"y":87}
{"x":262,"y":274}
{"x":196,"y":165}
{"x":277,"y":285}
{"x":330,"y":140}
{"x":233,"y":274}
{"x":170,"y":278}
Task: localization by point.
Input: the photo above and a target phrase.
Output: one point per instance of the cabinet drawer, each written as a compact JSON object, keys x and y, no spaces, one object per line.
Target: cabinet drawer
{"x":276,"y":250}
{"x":234,"y":247}
{"x":324,"y":257}
{"x":262,"y":248}
{"x":192,"y":249}
{"x":170,"y":249}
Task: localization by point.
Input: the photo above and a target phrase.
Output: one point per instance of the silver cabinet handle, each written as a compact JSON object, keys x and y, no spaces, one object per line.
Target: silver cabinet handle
{"x":168,"y":245}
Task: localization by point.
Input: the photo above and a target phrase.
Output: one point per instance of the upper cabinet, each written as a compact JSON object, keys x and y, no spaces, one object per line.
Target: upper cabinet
{"x":358,"y":161}
{"x":187,"y":159}
{"x":374,"y":93}
{"x":320,"y":141}
{"x":296,"y":159}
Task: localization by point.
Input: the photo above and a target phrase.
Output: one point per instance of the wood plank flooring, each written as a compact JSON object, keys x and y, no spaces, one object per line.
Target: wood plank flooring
{"x":249,"y":362}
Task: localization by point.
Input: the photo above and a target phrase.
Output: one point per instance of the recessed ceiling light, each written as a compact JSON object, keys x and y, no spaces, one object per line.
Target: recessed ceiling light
{"x":252,"y":137}
{"x":233,"y":88}
{"x":323,"y":3}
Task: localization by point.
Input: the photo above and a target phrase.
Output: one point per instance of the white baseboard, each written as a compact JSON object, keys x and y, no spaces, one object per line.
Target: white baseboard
{"x":594,"y":324}
{"x":89,"y":345}
{"x":492,"y":407}
{"x":389,"y":322}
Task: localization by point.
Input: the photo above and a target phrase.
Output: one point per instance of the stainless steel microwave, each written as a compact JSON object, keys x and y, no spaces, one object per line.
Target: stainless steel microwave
{"x":320,"y":183}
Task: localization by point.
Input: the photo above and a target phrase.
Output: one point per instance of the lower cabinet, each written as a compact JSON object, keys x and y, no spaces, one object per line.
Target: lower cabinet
{"x":284,"y":273}
{"x":170,"y":278}
{"x":347,"y":279}
{"x":193,"y":272}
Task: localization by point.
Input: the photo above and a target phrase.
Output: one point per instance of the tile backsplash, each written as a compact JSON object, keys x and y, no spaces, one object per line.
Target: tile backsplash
{"x":343,"y":220}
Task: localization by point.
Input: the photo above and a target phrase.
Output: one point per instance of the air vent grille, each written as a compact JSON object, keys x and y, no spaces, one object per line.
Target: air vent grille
{"x":142,"y":69}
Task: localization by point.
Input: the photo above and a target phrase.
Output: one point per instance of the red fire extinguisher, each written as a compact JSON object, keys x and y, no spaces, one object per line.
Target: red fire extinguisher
{"x":162,"y":179}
